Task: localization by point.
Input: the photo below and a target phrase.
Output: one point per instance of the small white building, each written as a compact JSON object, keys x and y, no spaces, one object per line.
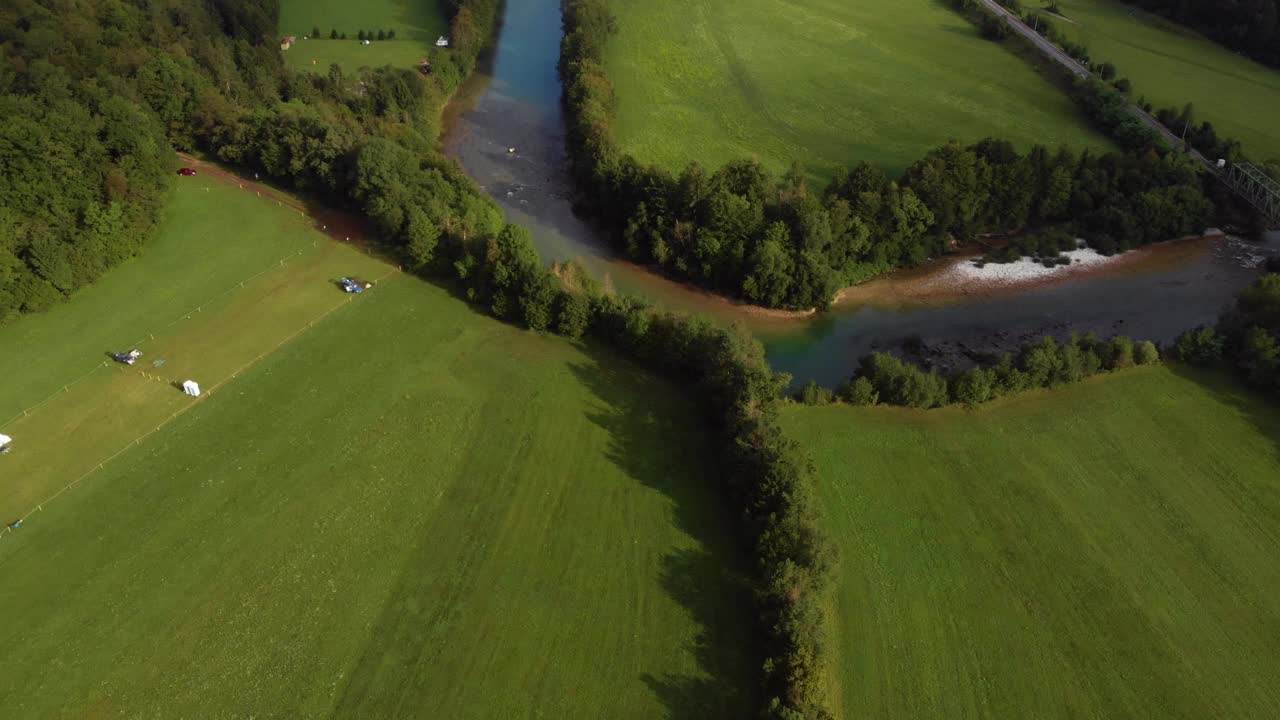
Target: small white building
{"x":4,"y":443}
{"x":192,"y":388}
{"x":442,"y":41}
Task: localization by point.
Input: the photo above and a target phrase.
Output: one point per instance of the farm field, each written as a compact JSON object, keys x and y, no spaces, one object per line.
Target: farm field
{"x":417,"y":24}
{"x":405,"y":508}
{"x":823,"y":82}
{"x":1102,"y":550}
{"x":1172,"y":66}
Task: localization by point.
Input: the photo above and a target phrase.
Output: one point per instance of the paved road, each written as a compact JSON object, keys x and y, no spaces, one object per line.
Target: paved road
{"x":1075,"y":68}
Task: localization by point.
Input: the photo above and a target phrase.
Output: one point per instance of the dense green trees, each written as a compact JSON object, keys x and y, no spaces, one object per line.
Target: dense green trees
{"x":1247,"y":336}
{"x":774,"y":241}
{"x":95,"y":101}
{"x":83,"y":170}
{"x":1043,"y":363}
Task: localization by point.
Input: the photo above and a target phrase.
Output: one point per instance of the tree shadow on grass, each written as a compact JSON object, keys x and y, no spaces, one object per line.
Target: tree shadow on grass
{"x":657,"y":440}
{"x":1261,"y":410}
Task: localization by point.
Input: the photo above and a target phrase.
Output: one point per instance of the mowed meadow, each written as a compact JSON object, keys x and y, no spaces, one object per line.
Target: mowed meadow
{"x":1171,"y":66}
{"x":385,"y":505}
{"x":417,"y":24}
{"x":1101,"y":550}
{"x":822,"y":82}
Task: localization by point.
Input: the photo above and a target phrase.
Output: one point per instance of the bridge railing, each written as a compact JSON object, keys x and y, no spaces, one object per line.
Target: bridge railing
{"x":1257,"y":188}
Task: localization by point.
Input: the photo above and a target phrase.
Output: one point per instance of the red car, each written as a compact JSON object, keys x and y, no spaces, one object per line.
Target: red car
{"x":186,"y":171}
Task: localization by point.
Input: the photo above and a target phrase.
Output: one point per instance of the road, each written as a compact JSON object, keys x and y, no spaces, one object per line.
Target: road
{"x":1079,"y":70}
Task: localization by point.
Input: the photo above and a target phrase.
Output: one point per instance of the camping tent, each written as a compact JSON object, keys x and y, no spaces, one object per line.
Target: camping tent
{"x":4,"y":442}
{"x":192,"y":388}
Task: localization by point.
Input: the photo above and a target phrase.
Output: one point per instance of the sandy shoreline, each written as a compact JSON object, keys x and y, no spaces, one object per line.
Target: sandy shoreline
{"x":958,"y":278}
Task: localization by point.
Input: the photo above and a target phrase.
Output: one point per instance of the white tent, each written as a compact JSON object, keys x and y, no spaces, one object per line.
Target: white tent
{"x":4,"y":441}
{"x":192,"y":388}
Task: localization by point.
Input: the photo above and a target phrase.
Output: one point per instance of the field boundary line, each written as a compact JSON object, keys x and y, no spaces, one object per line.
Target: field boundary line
{"x":66,"y":387}
{"x":151,"y":334}
{"x":200,"y":308}
{"x":179,"y":412}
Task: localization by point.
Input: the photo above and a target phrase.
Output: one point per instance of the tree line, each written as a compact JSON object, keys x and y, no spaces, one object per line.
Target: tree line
{"x":1044,"y":363}
{"x":1246,"y":338}
{"x":775,"y":241}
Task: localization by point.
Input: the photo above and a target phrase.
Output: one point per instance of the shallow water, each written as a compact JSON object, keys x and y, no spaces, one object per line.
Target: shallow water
{"x":506,"y":128}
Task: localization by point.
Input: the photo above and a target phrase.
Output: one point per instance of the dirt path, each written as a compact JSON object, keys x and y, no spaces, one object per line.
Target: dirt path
{"x":337,"y":224}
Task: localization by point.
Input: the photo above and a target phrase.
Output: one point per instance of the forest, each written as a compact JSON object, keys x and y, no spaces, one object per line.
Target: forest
{"x":96,"y":101}
{"x":1251,"y":27}
{"x":777,"y":242}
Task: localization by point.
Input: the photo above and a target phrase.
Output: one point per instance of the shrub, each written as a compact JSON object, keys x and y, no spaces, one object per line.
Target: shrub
{"x":1146,"y":353}
{"x":573,"y":314}
{"x":974,"y":386}
{"x":1118,"y":354}
{"x":815,"y":394}
{"x":1259,"y":356}
{"x":861,"y":392}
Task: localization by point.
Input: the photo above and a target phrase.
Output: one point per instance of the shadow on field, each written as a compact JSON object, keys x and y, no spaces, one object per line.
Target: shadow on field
{"x":1251,"y":403}
{"x":650,"y":442}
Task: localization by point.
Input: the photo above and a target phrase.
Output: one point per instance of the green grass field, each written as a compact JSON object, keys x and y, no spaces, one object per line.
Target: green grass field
{"x":403,"y":508}
{"x":1172,"y":66}
{"x":417,"y":24}
{"x":824,"y":82}
{"x":1104,"y":550}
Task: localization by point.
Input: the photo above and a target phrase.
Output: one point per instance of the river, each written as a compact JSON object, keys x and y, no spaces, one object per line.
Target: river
{"x":506,"y":129}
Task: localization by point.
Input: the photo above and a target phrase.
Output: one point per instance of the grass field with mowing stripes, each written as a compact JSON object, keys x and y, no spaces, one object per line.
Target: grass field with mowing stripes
{"x":823,"y":82}
{"x":407,"y":509}
{"x":1102,"y":550}
{"x":1172,"y":66}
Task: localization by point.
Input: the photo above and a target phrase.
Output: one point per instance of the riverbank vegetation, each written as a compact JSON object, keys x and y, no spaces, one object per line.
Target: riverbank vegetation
{"x":819,"y":83}
{"x":1004,"y":561}
{"x":1247,"y":338}
{"x":884,"y":379}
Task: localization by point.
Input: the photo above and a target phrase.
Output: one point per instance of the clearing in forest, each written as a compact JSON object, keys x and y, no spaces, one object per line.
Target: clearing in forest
{"x":417,"y":24}
{"x":1101,"y":550}
{"x":1171,"y":66}
{"x":387,"y":503}
{"x":822,"y":82}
